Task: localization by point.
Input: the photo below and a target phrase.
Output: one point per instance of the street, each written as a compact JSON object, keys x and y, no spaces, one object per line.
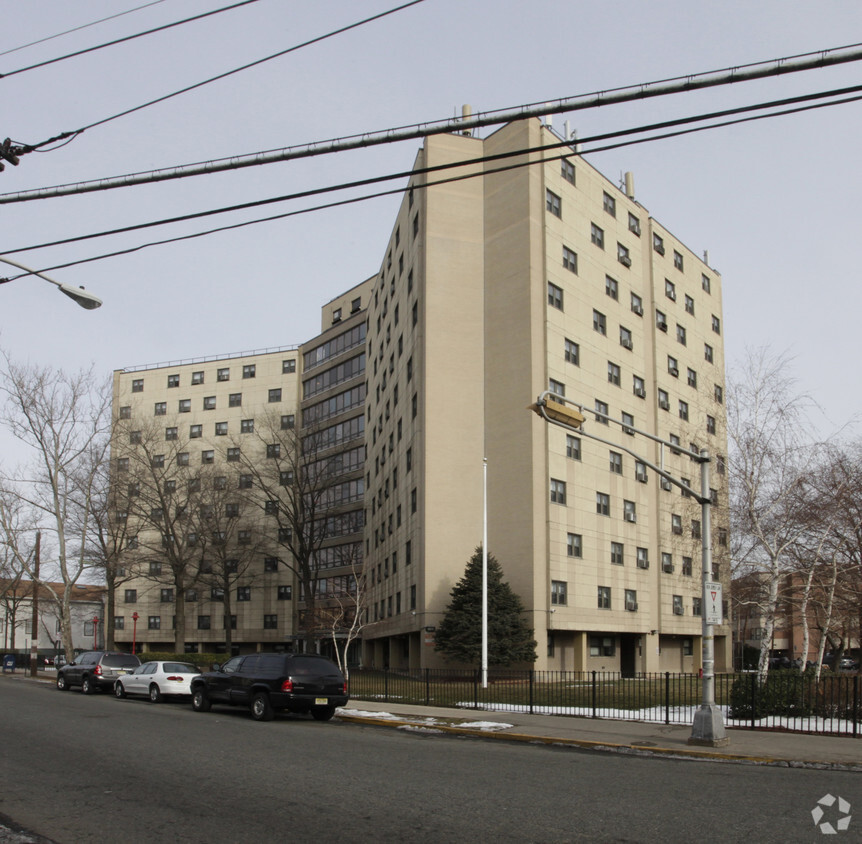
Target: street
{"x":86,"y":769}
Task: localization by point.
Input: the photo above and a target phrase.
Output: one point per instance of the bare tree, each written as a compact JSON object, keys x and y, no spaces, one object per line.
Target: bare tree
{"x":304,"y":484}
{"x":769,"y":461}
{"x":64,"y":421}
{"x":343,"y":601}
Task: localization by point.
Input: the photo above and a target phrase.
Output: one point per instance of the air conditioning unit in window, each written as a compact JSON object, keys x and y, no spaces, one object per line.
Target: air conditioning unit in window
{"x":630,"y":517}
{"x":638,"y":309}
{"x":671,"y":294}
{"x":640,"y":392}
{"x":625,"y":260}
{"x":643,"y":564}
{"x":666,"y":485}
{"x":659,"y":248}
{"x":642,"y":478}
{"x":678,"y":611}
{"x":667,"y":569}
{"x":664,"y":405}
{"x":626,"y":343}
{"x":662,"y":326}
{"x":632,"y":606}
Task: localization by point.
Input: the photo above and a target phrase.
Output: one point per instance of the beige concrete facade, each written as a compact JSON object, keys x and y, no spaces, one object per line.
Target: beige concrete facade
{"x":513,"y":281}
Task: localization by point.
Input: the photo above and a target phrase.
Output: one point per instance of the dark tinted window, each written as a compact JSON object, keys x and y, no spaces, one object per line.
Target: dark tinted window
{"x":120,"y":661}
{"x":271,"y":665}
{"x":181,"y":667}
{"x":232,"y":665}
{"x":312,"y":665}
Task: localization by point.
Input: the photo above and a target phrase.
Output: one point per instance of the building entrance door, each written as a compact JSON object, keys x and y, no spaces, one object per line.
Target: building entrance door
{"x":628,"y":654}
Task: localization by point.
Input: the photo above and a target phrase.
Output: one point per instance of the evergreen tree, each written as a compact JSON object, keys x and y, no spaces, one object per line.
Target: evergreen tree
{"x":459,"y":634}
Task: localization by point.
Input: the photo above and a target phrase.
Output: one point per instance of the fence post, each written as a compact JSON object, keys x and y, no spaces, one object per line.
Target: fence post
{"x":753,"y":686}
{"x":476,"y":673}
{"x":594,"y":694}
{"x":532,"y":675}
{"x":667,"y":697}
{"x":855,"y":702}
{"x":386,"y":684}
{"x":427,"y":686}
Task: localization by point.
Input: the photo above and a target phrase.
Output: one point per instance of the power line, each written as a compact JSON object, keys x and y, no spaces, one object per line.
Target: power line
{"x":74,"y":133}
{"x":79,"y":28}
{"x":421,"y":171}
{"x":679,"y":84}
{"x":124,"y":39}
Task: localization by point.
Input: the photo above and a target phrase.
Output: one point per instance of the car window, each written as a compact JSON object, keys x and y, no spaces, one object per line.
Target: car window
{"x":89,"y":659}
{"x":150,"y":668}
{"x":271,"y":665}
{"x":312,"y":665}
{"x":250,"y":664}
{"x":181,"y":668}
{"x":232,"y":665}
{"x":120,"y":661}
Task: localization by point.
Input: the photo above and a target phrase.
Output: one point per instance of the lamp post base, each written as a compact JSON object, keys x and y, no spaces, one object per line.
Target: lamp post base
{"x":708,"y":728}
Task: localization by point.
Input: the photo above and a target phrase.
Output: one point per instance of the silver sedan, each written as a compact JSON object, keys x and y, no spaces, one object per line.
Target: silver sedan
{"x":157,"y":680}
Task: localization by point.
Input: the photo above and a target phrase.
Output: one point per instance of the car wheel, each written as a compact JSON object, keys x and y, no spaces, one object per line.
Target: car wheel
{"x":62,"y":685}
{"x":200,"y":700}
{"x":87,"y":687}
{"x":322,"y":713}
{"x":261,"y":708}
{"x":119,"y":690}
{"x":155,"y":694}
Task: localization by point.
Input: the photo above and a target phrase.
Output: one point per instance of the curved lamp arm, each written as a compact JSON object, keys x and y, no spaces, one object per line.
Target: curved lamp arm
{"x":78,"y":294}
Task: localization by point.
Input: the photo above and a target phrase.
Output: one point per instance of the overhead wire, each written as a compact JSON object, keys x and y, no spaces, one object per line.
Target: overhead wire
{"x":426,"y":184}
{"x":697,"y":81}
{"x":79,"y":28}
{"x":125,"y":38}
{"x":76,"y":132}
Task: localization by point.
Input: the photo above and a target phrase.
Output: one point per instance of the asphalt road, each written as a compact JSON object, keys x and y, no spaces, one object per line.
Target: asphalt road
{"x":81,"y":769}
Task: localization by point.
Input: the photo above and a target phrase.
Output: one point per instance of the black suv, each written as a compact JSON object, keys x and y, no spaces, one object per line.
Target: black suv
{"x":95,"y":670}
{"x":268,"y":683}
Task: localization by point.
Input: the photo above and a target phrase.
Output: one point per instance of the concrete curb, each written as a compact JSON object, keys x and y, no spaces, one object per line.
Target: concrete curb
{"x":606,"y":747}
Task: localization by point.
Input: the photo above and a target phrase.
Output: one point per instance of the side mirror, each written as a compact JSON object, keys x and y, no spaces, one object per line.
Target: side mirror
{"x":215,"y":667}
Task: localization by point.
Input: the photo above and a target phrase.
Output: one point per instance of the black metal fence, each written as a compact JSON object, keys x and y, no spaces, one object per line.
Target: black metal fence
{"x":786,"y":701}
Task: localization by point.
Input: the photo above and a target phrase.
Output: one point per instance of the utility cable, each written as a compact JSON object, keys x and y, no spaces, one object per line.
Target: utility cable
{"x":125,"y":38}
{"x":74,"y":133}
{"x":420,"y":171}
{"x":79,"y":28}
{"x":673,"y":85}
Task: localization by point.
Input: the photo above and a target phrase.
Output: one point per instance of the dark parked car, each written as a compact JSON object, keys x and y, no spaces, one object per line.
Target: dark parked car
{"x":95,"y":670}
{"x":270,"y":683}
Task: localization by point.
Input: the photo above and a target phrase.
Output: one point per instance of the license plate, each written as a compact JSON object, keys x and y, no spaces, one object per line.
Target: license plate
{"x":321,"y":701}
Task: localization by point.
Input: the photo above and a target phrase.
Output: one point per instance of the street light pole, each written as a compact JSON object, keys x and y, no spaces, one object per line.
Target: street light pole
{"x":77,"y":294}
{"x":708,"y":726}
{"x":34,"y":633}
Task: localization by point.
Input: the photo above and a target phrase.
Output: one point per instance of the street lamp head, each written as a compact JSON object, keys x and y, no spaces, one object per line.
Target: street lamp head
{"x":551,"y":409}
{"x":81,"y":296}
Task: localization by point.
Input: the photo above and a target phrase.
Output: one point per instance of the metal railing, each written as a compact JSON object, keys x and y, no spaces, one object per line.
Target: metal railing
{"x":787,"y":701}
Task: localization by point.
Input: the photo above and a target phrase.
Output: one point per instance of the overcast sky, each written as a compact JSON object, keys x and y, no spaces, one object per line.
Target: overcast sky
{"x":776,"y":203}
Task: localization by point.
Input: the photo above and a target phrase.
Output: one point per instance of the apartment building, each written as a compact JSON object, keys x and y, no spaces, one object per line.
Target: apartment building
{"x":494,"y":288}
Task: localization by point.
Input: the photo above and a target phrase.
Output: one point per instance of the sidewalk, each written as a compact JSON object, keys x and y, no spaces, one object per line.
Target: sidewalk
{"x":759,"y":747}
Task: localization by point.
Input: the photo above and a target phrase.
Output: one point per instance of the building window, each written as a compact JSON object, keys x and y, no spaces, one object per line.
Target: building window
{"x":559,"y":590}
{"x":678,"y":608}
{"x":246,"y":426}
{"x":639,"y":386}
{"x":658,"y":244}
{"x":722,"y":537}
{"x":637,"y":305}
{"x":600,"y":322}
{"x":574,"y":545}
{"x":677,"y":260}
{"x":173,"y":381}
{"x":691,"y":376}
{"x":154,"y":622}
{"x":171,"y":433}
{"x":696,"y":606}
{"x":553,"y":204}
{"x":555,"y":296}
{"x":602,"y":646}
{"x":660,"y":321}
{"x":719,"y":393}
{"x":632,"y":600}
{"x":623,"y":255}
{"x":667,"y":563}
{"x":221,"y":429}
{"x":138,"y":385}
{"x":126,"y":412}
{"x":160,"y":408}
{"x":601,"y":412}
{"x":616,"y":463}
{"x":570,"y":260}
{"x":572,"y":352}
{"x":689,"y":305}
{"x":270,"y":621}
{"x":249,"y":370}
{"x":285,"y":593}
{"x":642,"y":558}
{"x":273,"y":450}
{"x":681,"y":335}
{"x":716,"y":324}
{"x":617,"y":550}
{"x":676,"y":524}
{"x":705,"y":283}
{"x":683,"y":410}
{"x":288,"y":366}
{"x":183,"y":458}
{"x":673,"y":366}
{"x":274,"y":396}
{"x":670,"y":289}
{"x":609,"y":204}
{"x":603,"y":504}
{"x":710,"y":424}
{"x":613,"y":374}
{"x":166,"y":596}
{"x":208,"y":456}
{"x":197,"y":377}
{"x":630,"y":513}
{"x":626,"y":338}
{"x":573,"y":447}
{"x":628,"y":423}
{"x":209,"y":403}
{"x":612,"y":287}
{"x":707,"y":353}
{"x":196,"y":431}
{"x":203,"y":622}
{"x":640,"y":472}
{"x":686,"y":566}
{"x":223,"y":374}
{"x":130,"y":596}
{"x":720,"y":464}
{"x":243,"y":593}
{"x":663,"y":399}
{"x":567,"y":170}
{"x":287,"y":422}
{"x":557,"y":387}
{"x":695,"y":529}
{"x":558,"y":491}
{"x":634,"y":225}
{"x":597,"y":235}
{"x":604,"y":597}
{"x":157,"y":461}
